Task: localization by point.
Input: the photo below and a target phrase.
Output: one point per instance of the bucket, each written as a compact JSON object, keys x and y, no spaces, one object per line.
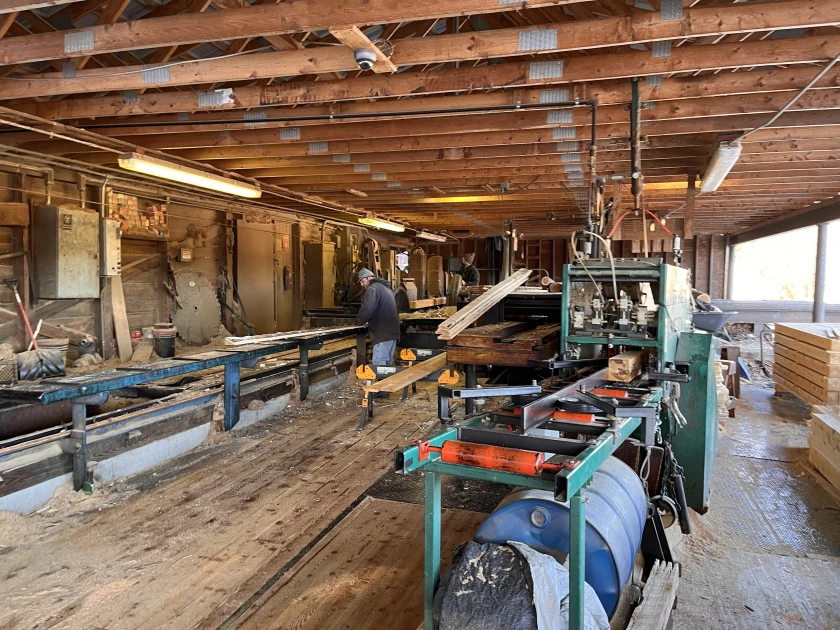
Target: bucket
{"x":56,"y":344}
{"x":164,"y":336}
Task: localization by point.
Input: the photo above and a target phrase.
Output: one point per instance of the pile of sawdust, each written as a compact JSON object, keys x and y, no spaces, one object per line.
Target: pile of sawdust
{"x":443,"y":312}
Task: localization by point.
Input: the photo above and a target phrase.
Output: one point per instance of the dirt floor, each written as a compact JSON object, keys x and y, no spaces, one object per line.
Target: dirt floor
{"x":234,"y":533}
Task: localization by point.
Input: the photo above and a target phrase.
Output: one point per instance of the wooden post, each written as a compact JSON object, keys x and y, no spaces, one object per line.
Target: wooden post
{"x":230,"y":241}
{"x":690,"y":194}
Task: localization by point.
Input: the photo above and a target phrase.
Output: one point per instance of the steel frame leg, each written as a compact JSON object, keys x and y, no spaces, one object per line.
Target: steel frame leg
{"x":470,"y":381}
{"x":303,"y":371}
{"x":231,"y":395}
{"x":431,"y":533}
{"x":78,"y":436}
{"x":577,"y":559}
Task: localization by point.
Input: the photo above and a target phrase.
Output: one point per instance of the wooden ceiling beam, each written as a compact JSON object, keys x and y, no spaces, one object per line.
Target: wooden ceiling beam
{"x":337,"y":59}
{"x":247,"y":22}
{"x":14,"y":6}
{"x":223,"y":146}
{"x":418,"y":83}
{"x":530,"y":119}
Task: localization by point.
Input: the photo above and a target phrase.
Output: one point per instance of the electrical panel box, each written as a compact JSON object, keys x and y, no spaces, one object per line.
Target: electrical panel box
{"x":66,"y":253}
{"x":319,"y":274}
{"x":110,"y":247}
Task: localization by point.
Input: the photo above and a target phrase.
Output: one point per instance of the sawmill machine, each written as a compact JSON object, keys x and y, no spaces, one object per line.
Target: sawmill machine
{"x":617,"y":443}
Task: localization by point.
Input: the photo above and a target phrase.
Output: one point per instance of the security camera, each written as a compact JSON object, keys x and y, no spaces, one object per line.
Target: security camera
{"x":365,"y":58}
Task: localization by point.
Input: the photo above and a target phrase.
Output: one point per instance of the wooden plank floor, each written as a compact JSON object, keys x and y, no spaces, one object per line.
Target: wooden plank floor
{"x":207,"y":530}
{"x":367,"y":574}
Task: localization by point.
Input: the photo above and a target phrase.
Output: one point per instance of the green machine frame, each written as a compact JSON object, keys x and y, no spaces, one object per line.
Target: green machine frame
{"x":695,"y":444}
{"x":575,"y":480}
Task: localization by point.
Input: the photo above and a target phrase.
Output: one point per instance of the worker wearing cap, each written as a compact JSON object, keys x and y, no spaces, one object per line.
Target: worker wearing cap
{"x":379,"y":312}
{"x":468,"y":271}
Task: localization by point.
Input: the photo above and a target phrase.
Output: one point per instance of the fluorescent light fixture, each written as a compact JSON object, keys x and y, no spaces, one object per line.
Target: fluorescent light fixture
{"x":155,"y":167}
{"x":382,"y":224}
{"x":429,"y":236}
{"x":725,"y":157}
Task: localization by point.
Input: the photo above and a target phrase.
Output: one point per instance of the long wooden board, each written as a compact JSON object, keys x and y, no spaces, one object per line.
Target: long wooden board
{"x":818,"y":354}
{"x":123,"y":333}
{"x":825,"y":336}
{"x":475,"y":309}
{"x":826,"y":383}
{"x":816,"y":395}
{"x":367,"y":573}
{"x":815,"y":365}
{"x":659,"y":596}
{"x":410,"y":375}
{"x":281,"y":336}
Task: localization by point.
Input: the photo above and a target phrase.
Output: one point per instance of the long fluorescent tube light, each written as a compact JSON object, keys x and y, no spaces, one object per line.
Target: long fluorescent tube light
{"x":382,"y":224}
{"x":429,"y":236}
{"x":725,"y":157}
{"x":155,"y":167}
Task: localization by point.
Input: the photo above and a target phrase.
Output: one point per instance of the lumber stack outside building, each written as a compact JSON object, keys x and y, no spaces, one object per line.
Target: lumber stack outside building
{"x":807,"y":362}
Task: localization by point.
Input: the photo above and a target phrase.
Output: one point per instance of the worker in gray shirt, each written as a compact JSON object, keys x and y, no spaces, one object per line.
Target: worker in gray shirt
{"x":379,"y":312}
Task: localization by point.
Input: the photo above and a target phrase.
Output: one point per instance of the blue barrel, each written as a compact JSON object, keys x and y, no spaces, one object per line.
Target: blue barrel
{"x":615,"y":518}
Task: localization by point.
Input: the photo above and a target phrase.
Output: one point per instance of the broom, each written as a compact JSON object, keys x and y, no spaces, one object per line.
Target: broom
{"x":36,"y":363}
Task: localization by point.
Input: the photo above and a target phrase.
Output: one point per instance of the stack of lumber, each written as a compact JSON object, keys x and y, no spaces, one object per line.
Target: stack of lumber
{"x":807,"y":361}
{"x":507,"y":343}
{"x":824,"y":443}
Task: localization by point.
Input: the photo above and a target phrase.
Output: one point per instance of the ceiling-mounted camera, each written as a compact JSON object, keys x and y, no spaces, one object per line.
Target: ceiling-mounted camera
{"x":365,"y":58}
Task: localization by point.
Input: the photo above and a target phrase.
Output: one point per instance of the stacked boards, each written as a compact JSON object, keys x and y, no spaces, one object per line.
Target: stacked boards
{"x":513,"y":344}
{"x":807,"y":362}
{"x":824,"y":443}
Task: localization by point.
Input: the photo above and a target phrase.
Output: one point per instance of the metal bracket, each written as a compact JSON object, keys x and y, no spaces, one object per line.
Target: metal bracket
{"x":445,"y":394}
{"x":78,"y":436}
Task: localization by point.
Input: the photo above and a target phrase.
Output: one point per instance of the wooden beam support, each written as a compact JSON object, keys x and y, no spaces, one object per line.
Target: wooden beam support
{"x":166,"y":106}
{"x":14,"y":6}
{"x":338,"y":59}
{"x":247,"y":22}
{"x":690,"y":194}
{"x":355,"y":40}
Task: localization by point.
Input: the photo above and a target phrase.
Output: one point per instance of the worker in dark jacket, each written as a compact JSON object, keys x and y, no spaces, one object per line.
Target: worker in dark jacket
{"x":379,"y":312}
{"x":468,"y":271}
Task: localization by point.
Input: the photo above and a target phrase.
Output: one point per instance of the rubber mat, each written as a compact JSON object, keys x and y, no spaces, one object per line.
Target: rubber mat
{"x":773,"y":506}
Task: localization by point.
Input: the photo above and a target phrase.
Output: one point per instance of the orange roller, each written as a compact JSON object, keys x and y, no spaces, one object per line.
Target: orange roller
{"x":573,"y":416}
{"x":612,"y":393}
{"x":493,"y":457}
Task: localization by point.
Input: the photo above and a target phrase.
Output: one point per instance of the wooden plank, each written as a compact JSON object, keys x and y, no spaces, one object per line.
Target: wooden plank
{"x":828,"y":468}
{"x":824,"y":356}
{"x":815,"y":365}
{"x":659,"y":598}
{"x":410,"y":375}
{"x":330,"y":59}
{"x":12,"y":6}
{"x":475,"y":309}
{"x":415,"y":304}
{"x":791,"y":387}
{"x":381,"y":543}
{"x":354,"y":39}
{"x":249,"y":22}
{"x":14,"y":214}
{"x":121,"y":329}
{"x":824,"y":382}
{"x":492,"y":356}
{"x":626,"y":366}
{"x":824,"y":336}
{"x":283,"y":336}
{"x":405,"y":84}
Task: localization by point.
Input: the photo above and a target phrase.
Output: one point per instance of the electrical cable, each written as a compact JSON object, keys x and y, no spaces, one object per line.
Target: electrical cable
{"x":799,"y":95}
{"x":612,"y":261}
